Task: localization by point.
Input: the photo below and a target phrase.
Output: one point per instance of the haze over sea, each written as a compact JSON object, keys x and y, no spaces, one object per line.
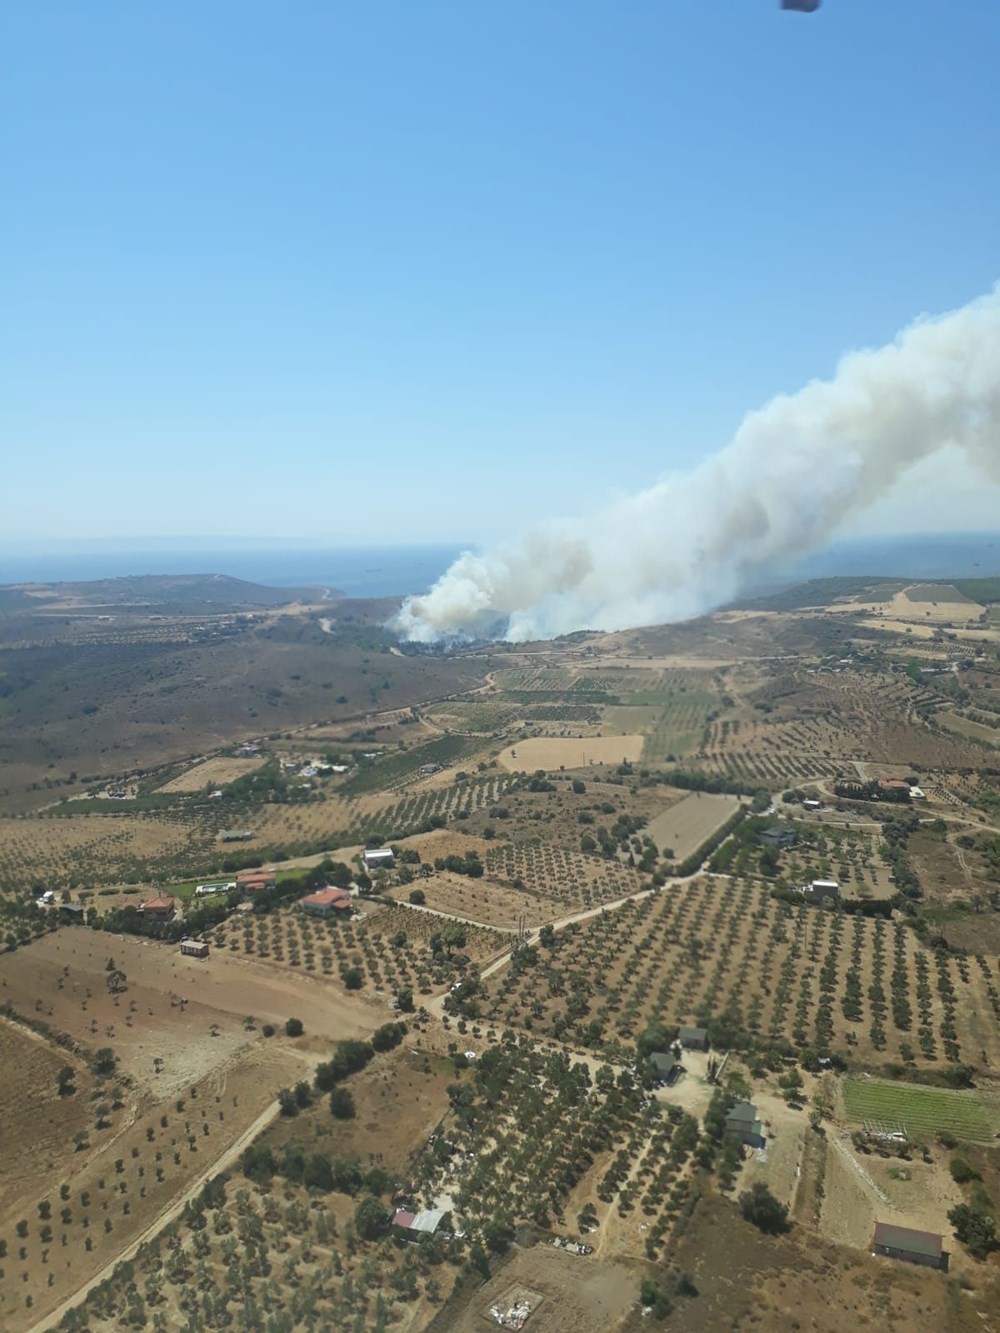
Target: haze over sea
{"x":398,"y":571}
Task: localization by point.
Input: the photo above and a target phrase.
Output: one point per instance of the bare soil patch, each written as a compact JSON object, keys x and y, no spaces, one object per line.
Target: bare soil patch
{"x":578,"y":1295}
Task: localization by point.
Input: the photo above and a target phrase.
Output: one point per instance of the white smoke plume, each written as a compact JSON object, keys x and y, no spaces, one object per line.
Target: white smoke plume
{"x":795,"y":470}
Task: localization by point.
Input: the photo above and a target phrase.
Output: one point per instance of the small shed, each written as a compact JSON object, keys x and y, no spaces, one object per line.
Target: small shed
{"x":913,"y":1247}
{"x":664,"y":1068}
{"x":743,"y":1122}
{"x":236,"y":835}
{"x":71,"y":912}
{"x":777,"y":837}
{"x":413,"y":1225}
{"x":376,"y":858}
{"x":824,"y":888}
{"x":693,"y":1039}
{"x":194,"y":948}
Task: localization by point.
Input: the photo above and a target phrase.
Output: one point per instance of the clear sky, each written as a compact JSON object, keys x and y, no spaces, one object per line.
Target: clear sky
{"x":417,"y":270}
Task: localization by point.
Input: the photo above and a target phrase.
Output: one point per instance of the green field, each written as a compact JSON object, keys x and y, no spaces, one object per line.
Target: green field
{"x":923,"y":1111}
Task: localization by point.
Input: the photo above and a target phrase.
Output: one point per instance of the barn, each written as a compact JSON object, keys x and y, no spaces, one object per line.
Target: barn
{"x":913,"y":1247}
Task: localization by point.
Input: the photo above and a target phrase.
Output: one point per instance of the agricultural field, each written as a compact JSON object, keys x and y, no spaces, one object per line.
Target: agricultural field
{"x":216,"y":772}
{"x":377,"y":953}
{"x":487,"y":902}
{"x":83,"y":850}
{"x":187,"y":1072}
{"x":552,"y":753}
{"x":764,"y":971}
{"x":477,"y":717}
{"x":561,"y":881}
{"x":510,"y":1094}
{"x":922,"y":1112}
{"x":688,"y":824}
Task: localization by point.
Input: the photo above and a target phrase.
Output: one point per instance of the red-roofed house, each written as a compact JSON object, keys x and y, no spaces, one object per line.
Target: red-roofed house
{"x":325,"y":901}
{"x":252,"y":881}
{"x":160,"y":909}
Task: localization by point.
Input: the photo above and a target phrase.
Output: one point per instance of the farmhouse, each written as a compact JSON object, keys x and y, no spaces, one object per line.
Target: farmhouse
{"x":194,"y":948}
{"x":252,"y":881}
{"x":823,"y":888}
{"x":664,"y":1068}
{"x":71,"y":912}
{"x":415,"y":1225}
{"x":914,"y":1247}
{"x":777,"y":837}
{"x":326,"y":901}
{"x":693,"y":1039}
{"x":160,"y":909}
{"x":376,"y":858}
{"x":742,"y":1121}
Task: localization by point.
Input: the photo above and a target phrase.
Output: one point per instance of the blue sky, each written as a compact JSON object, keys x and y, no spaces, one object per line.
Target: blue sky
{"x":428,"y":271}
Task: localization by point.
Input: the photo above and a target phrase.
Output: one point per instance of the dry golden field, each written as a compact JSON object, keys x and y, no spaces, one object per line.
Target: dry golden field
{"x":215,"y":772}
{"x":556,"y":752}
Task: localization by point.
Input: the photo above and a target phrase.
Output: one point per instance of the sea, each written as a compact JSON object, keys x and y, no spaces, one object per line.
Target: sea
{"x":370,"y":571}
{"x":396,"y":571}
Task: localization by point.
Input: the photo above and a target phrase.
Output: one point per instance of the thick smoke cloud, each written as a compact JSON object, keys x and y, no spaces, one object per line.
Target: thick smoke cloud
{"x":795,"y":470}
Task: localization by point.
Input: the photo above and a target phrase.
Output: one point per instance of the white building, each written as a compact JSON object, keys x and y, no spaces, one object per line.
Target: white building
{"x":377,"y":858}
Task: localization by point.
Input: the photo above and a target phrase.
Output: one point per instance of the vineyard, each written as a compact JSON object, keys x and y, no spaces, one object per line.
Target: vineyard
{"x":392,"y":949}
{"x":759,"y":972}
{"x":923,"y":1111}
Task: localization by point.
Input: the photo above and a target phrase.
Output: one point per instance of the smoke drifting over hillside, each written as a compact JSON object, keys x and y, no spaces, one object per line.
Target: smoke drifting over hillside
{"x":795,"y":470}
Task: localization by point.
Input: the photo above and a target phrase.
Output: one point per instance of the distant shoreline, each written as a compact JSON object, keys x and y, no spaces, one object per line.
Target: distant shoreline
{"x":356,"y":571}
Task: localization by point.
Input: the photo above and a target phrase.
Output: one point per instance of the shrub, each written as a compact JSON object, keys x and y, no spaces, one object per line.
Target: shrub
{"x":962,"y":1172}
{"x":975,"y":1230}
{"x":759,"y":1207}
{"x":342,"y":1104}
{"x":294,"y":1028}
{"x":418,"y":897}
{"x":354,"y":978}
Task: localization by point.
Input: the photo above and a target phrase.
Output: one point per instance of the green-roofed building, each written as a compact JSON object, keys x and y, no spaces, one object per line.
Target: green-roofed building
{"x":742,"y":1120}
{"x":663,"y":1067}
{"x":693,"y":1039}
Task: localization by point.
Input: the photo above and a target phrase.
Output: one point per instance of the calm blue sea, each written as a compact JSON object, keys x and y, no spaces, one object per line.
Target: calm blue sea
{"x":359,"y":572}
{"x":391,"y":571}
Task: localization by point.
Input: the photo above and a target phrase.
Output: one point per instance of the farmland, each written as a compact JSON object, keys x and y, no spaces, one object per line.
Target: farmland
{"x":537,"y":934}
{"x":765,"y":971}
{"x":212,"y":773}
{"x":556,"y":752}
{"x":685,"y":826}
{"x":188,"y":1075}
{"x":923,"y":1112}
